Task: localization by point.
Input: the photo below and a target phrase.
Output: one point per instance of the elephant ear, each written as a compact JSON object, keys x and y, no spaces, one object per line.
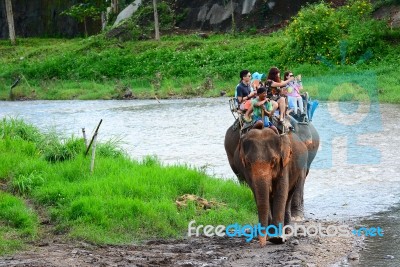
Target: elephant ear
{"x":286,"y":150}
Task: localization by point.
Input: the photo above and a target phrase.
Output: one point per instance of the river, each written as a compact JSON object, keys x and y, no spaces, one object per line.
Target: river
{"x":355,"y":174}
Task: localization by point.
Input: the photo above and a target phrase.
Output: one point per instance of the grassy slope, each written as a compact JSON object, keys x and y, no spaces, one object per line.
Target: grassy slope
{"x":122,"y":202}
{"x":96,"y":68}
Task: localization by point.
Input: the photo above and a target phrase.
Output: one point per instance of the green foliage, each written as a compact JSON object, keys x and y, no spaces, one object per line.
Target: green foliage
{"x":82,"y":11}
{"x":121,"y":202}
{"x":54,"y":150}
{"x":339,"y":36}
{"x":18,"y":223}
{"x":23,"y":184}
{"x":14,"y":128}
{"x":141,"y":24}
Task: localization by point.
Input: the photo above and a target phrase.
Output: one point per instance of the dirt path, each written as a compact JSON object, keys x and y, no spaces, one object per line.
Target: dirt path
{"x":194,"y":251}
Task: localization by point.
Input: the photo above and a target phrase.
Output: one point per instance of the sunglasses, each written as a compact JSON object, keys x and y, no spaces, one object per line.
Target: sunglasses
{"x":291,"y":75}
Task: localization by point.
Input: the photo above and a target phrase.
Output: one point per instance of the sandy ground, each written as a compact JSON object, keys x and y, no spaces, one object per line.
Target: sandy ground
{"x":194,"y":251}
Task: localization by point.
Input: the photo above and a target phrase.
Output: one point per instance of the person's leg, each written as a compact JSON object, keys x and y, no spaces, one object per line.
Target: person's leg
{"x":274,"y":106}
{"x":282,"y":108}
{"x":292,"y":103}
{"x":300,"y":101}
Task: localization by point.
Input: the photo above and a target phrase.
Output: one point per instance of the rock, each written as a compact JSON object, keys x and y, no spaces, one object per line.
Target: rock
{"x":128,"y":93}
{"x":203,"y":35}
{"x":389,"y":257}
{"x":222,"y":93}
{"x":127,"y":12}
{"x":295,"y":242}
{"x":353,"y":256}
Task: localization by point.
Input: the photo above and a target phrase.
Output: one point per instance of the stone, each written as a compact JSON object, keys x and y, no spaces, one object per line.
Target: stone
{"x":353,"y":256}
{"x":128,"y":11}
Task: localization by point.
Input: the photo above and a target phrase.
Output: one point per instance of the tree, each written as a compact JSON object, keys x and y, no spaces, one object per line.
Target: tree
{"x":156,"y":25}
{"x":82,"y":11}
{"x":10,"y":20}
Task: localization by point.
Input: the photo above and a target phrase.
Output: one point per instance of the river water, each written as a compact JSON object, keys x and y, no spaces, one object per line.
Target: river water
{"x":356,"y":173}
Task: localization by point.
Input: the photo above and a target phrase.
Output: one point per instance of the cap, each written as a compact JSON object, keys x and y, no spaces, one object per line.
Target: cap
{"x":258,"y":76}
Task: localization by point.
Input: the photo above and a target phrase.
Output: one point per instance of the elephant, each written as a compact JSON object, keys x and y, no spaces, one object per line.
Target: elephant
{"x":310,"y":137}
{"x":272,"y":165}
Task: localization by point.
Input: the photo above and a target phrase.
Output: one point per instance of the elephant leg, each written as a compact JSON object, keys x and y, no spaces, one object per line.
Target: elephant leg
{"x":297,"y":203}
{"x":288,"y":213}
{"x":281,"y":191}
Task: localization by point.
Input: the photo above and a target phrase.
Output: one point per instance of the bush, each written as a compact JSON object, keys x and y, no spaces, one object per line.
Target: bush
{"x":340,"y":36}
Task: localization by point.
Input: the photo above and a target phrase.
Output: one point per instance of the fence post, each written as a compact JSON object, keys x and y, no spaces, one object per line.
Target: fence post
{"x":93,"y":153}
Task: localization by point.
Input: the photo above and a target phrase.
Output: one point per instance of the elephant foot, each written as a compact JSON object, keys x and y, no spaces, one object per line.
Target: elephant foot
{"x":262,"y":240}
{"x":276,"y":240}
{"x":297,"y":218}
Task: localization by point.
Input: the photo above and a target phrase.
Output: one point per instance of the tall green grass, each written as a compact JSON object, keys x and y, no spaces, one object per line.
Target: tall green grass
{"x":123,"y":201}
{"x":18,"y":223}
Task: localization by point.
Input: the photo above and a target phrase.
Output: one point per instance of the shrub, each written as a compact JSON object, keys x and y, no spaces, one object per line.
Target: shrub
{"x":341,"y":36}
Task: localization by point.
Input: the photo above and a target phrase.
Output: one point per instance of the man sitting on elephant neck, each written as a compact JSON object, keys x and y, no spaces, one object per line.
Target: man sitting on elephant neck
{"x":261,"y":108}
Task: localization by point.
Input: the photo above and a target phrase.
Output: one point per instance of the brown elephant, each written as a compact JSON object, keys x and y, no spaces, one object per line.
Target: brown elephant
{"x":272,"y":165}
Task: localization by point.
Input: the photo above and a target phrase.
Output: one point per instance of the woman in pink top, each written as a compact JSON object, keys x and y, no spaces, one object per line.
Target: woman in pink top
{"x":293,"y":92}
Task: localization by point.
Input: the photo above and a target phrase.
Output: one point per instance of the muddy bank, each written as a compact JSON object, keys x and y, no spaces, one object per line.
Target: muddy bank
{"x":194,"y":251}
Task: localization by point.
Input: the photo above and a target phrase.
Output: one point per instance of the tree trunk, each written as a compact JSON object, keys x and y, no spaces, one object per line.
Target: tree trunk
{"x":10,"y":20}
{"x":233,"y":18}
{"x":115,"y":6}
{"x":156,"y":26}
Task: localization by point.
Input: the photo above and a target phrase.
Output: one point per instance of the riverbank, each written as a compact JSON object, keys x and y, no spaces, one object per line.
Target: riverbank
{"x":56,"y":213}
{"x":177,"y":67}
{"x":45,"y":179}
{"x":195,"y":251}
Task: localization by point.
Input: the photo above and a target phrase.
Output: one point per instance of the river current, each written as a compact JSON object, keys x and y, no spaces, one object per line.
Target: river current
{"x":356,"y":172}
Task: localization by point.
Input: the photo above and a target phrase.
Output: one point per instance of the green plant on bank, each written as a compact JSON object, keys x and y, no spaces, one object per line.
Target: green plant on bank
{"x":340,"y":35}
{"x":123,"y":201}
{"x":18,"y":223}
{"x":23,"y":184}
{"x":141,"y":24}
{"x":84,"y":10}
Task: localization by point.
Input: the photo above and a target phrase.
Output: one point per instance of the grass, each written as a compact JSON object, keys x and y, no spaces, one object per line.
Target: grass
{"x":18,"y":223}
{"x":177,"y":66}
{"x":122,"y":202}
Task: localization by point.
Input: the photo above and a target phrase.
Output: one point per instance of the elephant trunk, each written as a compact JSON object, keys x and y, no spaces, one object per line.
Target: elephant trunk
{"x":262,"y":183}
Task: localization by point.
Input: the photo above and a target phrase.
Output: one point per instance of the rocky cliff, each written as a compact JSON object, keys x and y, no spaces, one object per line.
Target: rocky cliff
{"x":217,"y":15}
{"x":41,"y":18}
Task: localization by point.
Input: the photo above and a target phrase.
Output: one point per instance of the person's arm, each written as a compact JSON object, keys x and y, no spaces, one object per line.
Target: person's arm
{"x":243,"y":98}
{"x":282,"y":83}
{"x":260,"y":103}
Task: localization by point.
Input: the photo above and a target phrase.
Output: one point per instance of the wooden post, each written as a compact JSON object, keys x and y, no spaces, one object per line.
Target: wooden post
{"x":95,"y":133}
{"x":93,"y":153}
{"x":84,"y":137}
{"x":10,"y":20}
